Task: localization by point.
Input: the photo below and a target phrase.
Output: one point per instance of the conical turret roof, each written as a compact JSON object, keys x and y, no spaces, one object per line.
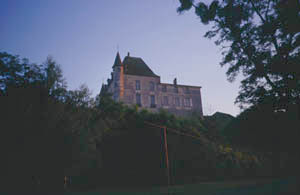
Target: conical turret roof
{"x":118,"y":61}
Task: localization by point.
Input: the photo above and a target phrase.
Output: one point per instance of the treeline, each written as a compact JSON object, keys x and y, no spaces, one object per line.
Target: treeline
{"x":40,"y":123}
{"x":49,"y":132}
{"x":275,"y":133}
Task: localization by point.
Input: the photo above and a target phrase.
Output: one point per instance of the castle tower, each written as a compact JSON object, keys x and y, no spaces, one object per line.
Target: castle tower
{"x":118,"y":79}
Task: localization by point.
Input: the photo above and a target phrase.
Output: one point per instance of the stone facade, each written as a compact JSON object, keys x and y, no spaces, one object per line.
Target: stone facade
{"x":133,"y":82}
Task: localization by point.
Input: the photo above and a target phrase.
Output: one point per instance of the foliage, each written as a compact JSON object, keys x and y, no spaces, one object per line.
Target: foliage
{"x":38,"y":126}
{"x":208,"y":150}
{"x":17,"y":73}
{"x":261,"y":39}
{"x":55,"y":82}
{"x":275,"y":134}
{"x":125,"y":114}
{"x":259,"y":127}
{"x":80,"y":97}
{"x":237,"y":159}
{"x":43,"y":124}
{"x":216,"y":123}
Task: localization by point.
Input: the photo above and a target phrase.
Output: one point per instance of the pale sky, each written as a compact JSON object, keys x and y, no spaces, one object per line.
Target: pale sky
{"x":83,"y":35}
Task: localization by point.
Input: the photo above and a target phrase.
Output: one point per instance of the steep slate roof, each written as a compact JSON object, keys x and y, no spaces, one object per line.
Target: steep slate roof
{"x":118,"y":61}
{"x":136,"y":66}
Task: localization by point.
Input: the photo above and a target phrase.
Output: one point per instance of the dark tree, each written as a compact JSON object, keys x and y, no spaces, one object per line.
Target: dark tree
{"x":17,"y":73}
{"x":55,"y":82}
{"x":261,"y":40}
{"x":33,"y":124}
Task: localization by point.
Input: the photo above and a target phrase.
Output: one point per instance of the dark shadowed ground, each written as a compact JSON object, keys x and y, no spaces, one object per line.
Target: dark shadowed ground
{"x":263,"y":187}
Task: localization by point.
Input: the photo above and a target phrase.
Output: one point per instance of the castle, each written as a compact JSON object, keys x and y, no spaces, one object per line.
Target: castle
{"x":133,"y":82}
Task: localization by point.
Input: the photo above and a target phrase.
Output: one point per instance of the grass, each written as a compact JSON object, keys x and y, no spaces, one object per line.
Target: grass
{"x":263,"y":187}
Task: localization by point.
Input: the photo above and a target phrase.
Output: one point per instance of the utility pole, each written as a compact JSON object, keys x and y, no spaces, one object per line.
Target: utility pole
{"x":164,"y":128}
{"x":166,"y":154}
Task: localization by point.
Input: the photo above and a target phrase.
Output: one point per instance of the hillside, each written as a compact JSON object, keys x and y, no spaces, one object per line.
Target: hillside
{"x":132,"y":151}
{"x":55,"y":132}
{"x":219,"y":120}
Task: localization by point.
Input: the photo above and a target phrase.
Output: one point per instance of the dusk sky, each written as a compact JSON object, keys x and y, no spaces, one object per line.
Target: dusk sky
{"x":83,"y":35}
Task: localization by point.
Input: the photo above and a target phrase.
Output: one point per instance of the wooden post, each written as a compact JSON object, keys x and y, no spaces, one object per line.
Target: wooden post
{"x":166,"y":154}
{"x":166,"y":150}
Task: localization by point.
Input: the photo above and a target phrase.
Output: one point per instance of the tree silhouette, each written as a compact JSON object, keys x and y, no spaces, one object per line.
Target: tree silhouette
{"x":261,"y":40}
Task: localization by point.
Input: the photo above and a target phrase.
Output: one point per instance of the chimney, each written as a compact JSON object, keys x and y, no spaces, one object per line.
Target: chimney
{"x":175,"y":81}
{"x":128,"y":54}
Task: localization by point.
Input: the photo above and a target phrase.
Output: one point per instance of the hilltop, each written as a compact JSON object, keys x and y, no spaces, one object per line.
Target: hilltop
{"x":219,"y":120}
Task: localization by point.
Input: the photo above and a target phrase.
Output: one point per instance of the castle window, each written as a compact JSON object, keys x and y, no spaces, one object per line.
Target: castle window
{"x":137,"y":85}
{"x":187,"y":102}
{"x":138,"y":99}
{"x":177,"y":102}
{"x":164,"y":88}
{"x":152,"y":86}
{"x":152,"y":101}
{"x":166,"y":100}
